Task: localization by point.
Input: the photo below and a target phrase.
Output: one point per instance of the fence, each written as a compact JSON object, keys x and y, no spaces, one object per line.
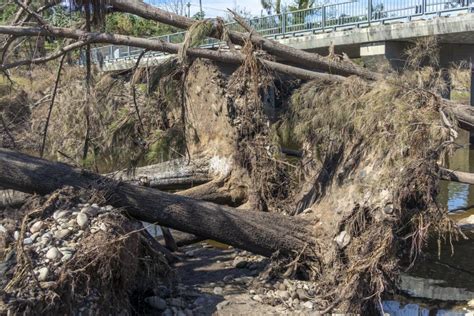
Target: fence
{"x":318,"y":19}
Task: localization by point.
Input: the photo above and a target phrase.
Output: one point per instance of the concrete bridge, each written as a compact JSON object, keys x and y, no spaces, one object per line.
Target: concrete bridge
{"x":375,"y":30}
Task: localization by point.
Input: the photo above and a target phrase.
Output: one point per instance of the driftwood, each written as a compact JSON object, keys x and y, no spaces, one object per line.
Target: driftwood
{"x":258,"y":232}
{"x":457,"y":176}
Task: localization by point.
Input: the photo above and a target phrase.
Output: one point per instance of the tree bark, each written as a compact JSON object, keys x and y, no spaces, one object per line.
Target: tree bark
{"x":258,"y":232}
{"x":293,"y":55}
{"x":175,"y":174}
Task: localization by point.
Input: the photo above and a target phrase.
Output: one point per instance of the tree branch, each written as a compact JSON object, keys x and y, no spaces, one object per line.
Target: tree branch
{"x":41,"y":60}
{"x":158,"y":45}
{"x":56,"y":84}
{"x":296,"y":56}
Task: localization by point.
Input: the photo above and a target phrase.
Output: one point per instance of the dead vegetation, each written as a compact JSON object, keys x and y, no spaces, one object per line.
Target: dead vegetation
{"x":366,"y":184}
{"x":110,"y":268}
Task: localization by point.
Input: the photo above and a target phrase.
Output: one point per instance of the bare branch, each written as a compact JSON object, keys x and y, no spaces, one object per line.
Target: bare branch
{"x":158,"y":45}
{"x":11,"y":39}
{"x":56,"y":84}
{"x":299,"y":57}
{"x":42,"y":60}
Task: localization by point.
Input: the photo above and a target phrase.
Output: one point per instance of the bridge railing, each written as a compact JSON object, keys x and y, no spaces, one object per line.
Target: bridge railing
{"x":319,"y":19}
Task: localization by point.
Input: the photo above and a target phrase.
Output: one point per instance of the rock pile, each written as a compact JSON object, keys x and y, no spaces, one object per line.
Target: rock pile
{"x":70,"y":254}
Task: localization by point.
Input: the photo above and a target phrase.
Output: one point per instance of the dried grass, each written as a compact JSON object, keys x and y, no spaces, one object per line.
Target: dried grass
{"x":107,"y":269}
{"x":372,"y":154}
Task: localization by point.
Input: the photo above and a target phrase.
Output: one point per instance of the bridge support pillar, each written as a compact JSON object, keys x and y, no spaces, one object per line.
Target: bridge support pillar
{"x":383,"y":56}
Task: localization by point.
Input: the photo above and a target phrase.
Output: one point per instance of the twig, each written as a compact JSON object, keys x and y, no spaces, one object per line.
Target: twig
{"x":56,"y":84}
{"x":241,"y":21}
{"x":11,"y":39}
{"x":41,"y":60}
{"x":7,"y":131}
{"x":137,"y":111}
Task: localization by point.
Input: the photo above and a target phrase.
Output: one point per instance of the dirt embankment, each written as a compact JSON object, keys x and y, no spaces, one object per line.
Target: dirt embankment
{"x":367,"y":180}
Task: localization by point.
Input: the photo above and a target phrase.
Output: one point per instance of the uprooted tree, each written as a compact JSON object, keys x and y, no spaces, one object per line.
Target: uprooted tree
{"x":359,"y":202}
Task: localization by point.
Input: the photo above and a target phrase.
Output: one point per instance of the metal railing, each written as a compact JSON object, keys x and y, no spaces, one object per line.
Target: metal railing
{"x":319,"y":19}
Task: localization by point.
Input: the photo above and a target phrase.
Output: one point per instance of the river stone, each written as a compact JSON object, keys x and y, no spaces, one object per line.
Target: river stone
{"x":343,"y":239}
{"x":228,"y":278}
{"x":156,"y":302}
{"x":82,"y":220}
{"x":66,"y":256}
{"x":43,"y":274}
{"x":16,"y":235}
{"x":45,"y":238}
{"x":218,"y":290}
{"x":302,"y":295}
{"x":253,"y":266}
{"x":27,"y":241}
{"x":308,"y":305}
{"x":257,"y":298}
{"x":200,"y":301}
{"x":90,"y":210}
{"x":471,"y":303}
{"x":36,"y":227}
{"x":52,"y":253}
{"x":34,"y":236}
{"x":60,"y":214}
{"x":177,"y":302}
{"x":222,"y":304}
{"x":283,"y":294}
{"x":62,"y":233}
{"x":239,"y":263}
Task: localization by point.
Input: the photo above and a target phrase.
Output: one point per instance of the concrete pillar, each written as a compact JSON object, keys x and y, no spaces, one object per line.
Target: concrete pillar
{"x":472,"y":83}
{"x":383,"y":56}
{"x":471,"y":137}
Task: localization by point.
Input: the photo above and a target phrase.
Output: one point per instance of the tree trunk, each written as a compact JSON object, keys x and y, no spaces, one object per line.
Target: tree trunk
{"x":258,"y":232}
{"x":293,"y":55}
{"x":175,"y":174}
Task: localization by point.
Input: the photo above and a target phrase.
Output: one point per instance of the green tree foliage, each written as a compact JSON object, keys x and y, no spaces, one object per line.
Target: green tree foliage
{"x":127,"y":24}
{"x":7,"y":11}
{"x":271,"y":6}
{"x":301,"y":5}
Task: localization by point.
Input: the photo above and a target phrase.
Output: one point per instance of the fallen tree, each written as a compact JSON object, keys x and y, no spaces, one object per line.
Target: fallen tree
{"x":296,"y":56}
{"x":261,"y":233}
{"x":366,"y":186}
{"x":150,"y":44}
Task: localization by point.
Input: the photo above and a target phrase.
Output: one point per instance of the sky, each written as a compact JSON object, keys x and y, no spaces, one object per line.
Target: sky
{"x":213,"y":8}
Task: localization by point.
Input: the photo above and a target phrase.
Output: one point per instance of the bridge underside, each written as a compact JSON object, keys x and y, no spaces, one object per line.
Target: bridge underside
{"x":448,"y":30}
